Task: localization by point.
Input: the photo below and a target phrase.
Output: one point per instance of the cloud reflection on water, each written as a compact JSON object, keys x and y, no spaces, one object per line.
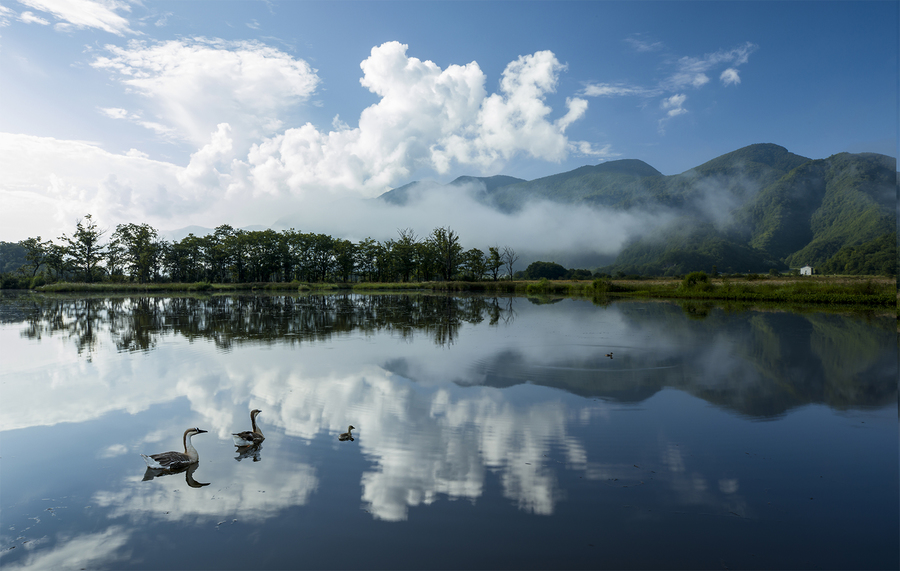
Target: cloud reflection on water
{"x":101,"y":549}
{"x":506,"y":401}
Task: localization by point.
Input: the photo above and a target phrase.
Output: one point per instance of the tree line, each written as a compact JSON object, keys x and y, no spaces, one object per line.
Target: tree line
{"x":136,"y":253}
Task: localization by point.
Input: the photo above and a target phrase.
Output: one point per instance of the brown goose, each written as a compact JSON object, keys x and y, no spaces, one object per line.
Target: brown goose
{"x":347,"y":435}
{"x":249,"y":437}
{"x":175,"y":460}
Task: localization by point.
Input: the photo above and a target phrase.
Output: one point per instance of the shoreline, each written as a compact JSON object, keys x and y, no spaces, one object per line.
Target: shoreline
{"x":880,"y":292}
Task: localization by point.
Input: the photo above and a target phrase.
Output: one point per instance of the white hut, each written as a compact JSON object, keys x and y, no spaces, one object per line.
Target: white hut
{"x":806,"y":271}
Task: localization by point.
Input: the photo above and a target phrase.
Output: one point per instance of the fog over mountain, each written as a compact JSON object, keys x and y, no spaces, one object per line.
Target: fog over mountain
{"x":756,"y":208}
{"x":575,"y":234}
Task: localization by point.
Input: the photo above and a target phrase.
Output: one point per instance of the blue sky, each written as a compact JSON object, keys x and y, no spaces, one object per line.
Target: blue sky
{"x":180,"y":113}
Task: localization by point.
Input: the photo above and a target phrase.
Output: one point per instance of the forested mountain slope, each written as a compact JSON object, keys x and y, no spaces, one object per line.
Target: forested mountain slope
{"x":756,"y":208}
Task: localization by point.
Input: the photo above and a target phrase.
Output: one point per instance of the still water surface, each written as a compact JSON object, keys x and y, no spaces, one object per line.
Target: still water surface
{"x":490,"y":433}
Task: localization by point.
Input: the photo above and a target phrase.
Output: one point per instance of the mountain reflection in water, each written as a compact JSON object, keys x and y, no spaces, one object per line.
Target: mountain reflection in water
{"x":514,"y":407}
{"x":760,"y":367}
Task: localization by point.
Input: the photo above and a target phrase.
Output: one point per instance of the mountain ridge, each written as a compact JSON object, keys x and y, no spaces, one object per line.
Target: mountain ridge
{"x":754,"y":209}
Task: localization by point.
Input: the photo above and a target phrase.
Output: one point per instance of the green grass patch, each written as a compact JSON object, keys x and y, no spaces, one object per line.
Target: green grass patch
{"x":871,"y":292}
{"x":69,"y":287}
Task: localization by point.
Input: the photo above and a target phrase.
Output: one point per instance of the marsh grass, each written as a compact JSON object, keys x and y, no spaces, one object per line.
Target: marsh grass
{"x":879,"y":292}
{"x":68,"y":287}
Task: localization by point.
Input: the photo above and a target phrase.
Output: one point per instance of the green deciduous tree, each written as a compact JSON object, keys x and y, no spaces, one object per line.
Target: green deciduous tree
{"x":474,"y":264}
{"x":85,"y":250}
{"x":403,"y":251}
{"x":494,"y":262}
{"x":139,"y":245}
{"x":35,"y":254}
{"x":445,"y":243}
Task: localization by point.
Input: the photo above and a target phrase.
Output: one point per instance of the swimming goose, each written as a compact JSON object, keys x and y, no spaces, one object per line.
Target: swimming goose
{"x":249,"y":438}
{"x":347,"y":435}
{"x":175,"y":460}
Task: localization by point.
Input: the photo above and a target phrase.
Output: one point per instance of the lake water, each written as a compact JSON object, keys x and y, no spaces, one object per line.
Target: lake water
{"x":490,"y":433}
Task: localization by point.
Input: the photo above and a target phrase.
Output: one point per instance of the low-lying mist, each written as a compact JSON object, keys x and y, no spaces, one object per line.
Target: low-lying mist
{"x":574,"y":236}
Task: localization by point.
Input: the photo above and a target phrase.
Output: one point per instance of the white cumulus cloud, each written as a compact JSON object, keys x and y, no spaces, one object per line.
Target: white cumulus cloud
{"x":195,"y":84}
{"x":730,"y":76}
{"x":228,"y":98}
{"x":427,"y":117}
{"x":674,"y":105}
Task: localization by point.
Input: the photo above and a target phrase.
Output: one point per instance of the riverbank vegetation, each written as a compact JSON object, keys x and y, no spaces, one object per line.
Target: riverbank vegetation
{"x":135,"y":258}
{"x":870,"y":292}
{"x":135,"y":254}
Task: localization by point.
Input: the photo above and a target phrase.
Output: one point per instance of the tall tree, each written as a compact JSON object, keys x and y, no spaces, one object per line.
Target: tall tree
{"x":494,"y":262}
{"x":367,"y":253}
{"x":404,"y":253}
{"x":344,"y":259}
{"x":35,"y":254}
{"x":84,"y":248}
{"x":218,"y":256}
{"x":475,"y":263}
{"x":57,"y":260}
{"x":139,"y":244}
{"x":448,"y":251}
{"x":322,"y":256}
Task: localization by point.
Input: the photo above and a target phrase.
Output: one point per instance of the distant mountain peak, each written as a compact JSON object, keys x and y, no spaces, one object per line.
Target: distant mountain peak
{"x":634,"y":167}
{"x":490,"y":182}
{"x":767,"y":154}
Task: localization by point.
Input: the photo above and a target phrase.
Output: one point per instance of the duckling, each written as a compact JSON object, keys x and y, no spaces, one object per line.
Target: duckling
{"x":176,"y":460}
{"x":249,"y":438}
{"x":347,"y":435}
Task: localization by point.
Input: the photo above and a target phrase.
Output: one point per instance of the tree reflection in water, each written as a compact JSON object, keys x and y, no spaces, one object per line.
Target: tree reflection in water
{"x":473,"y":422}
{"x":760,"y":363}
{"x":134,"y":323}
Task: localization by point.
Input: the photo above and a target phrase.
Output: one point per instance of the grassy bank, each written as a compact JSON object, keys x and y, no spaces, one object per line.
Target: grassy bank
{"x":878,"y":292}
{"x":69,"y":287}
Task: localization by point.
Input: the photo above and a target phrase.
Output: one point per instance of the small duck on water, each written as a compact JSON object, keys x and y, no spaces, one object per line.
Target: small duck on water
{"x":176,"y":460}
{"x":347,"y":435}
{"x":250,"y":437}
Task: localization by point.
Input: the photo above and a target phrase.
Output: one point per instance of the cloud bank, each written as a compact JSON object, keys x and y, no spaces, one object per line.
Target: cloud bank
{"x":231,"y":101}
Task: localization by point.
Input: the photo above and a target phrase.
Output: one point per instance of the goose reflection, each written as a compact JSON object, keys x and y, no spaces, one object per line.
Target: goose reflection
{"x":188,"y":470}
{"x":249,"y":437}
{"x":244,"y":452}
{"x":347,"y":435}
{"x":174,"y":461}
